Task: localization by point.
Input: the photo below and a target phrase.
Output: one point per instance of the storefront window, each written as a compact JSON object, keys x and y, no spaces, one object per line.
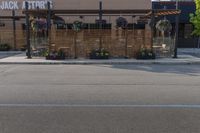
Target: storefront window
{"x":188,"y":31}
{"x":181,"y":30}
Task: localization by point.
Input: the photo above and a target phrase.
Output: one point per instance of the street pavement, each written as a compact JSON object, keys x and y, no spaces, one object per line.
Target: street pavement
{"x":99,"y":98}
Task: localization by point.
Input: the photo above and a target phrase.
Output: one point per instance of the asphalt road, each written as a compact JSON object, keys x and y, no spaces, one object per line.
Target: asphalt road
{"x":99,"y":99}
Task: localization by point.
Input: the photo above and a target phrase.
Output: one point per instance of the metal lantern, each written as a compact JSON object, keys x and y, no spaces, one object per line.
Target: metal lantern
{"x":121,"y":22}
{"x":164,"y":25}
{"x":77,"y":25}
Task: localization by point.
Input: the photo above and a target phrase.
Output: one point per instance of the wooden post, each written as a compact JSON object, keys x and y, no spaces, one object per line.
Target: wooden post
{"x":49,"y":25}
{"x":126,"y":42}
{"x":133,"y":30}
{"x":100,"y":13}
{"x":152,"y":27}
{"x":14,"y":30}
{"x":100,"y":24}
{"x":75,"y":45}
{"x":28,"y":32}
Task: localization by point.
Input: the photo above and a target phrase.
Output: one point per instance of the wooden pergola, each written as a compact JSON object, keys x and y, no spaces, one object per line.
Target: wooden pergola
{"x":144,"y":15}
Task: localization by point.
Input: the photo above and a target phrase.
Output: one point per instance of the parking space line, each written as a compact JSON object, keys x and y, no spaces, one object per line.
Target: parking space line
{"x":104,"y":106}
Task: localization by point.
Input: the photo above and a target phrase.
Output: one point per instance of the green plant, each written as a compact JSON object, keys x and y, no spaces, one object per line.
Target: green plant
{"x":145,"y":53}
{"x":61,"y":54}
{"x":44,"y":52}
{"x":99,"y":54}
{"x":5,"y":47}
{"x":55,"y":55}
{"x":195,"y":20}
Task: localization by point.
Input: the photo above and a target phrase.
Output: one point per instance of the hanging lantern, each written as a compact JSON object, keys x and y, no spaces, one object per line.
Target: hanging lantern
{"x":77,"y":25}
{"x":121,"y":22}
{"x":164,"y":25}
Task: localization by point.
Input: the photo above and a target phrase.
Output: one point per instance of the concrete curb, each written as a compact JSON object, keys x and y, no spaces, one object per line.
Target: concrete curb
{"x":20,"y":59}
{"x":104,"y":63}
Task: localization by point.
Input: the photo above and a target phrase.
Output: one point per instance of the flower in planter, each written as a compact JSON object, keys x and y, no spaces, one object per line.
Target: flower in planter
{"x":56,"y":55}
{"x":150,"y":54}
{"x":106,"y":54}
{"x":145,"y":53}
{"x":99,"y":54}
{"x":4,"y":47}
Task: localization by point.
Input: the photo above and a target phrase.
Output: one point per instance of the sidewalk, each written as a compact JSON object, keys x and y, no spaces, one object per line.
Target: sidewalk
{"x":4,"y":54}
{"x":190,"y":51}
{"x":21,"y":59}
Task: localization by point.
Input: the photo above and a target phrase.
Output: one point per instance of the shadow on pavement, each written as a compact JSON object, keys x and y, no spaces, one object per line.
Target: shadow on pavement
{"x":191,"y":70}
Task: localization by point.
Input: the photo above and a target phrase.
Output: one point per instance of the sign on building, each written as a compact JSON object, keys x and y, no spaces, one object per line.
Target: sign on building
{"x":20,"y":5}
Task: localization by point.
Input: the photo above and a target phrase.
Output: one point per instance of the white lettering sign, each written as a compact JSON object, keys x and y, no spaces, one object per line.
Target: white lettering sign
{"x":15,"y":5}
{"x":9,"y":5}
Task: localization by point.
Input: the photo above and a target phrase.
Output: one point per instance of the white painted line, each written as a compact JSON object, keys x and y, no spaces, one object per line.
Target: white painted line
{"x":103,"y":106}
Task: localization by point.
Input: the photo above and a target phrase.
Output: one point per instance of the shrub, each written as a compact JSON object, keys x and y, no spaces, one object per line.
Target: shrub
{"x":42,"y":52}
{"x":4,"y":47}
{"x":145,"y":53}
{"x":99,"y":54}
{"x":56,"y":55}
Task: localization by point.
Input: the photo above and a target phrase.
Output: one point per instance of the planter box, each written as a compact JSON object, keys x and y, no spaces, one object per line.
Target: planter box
{"x":55,"y":57}
{"x":145,"y":55}
{"x":99,"y":55}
